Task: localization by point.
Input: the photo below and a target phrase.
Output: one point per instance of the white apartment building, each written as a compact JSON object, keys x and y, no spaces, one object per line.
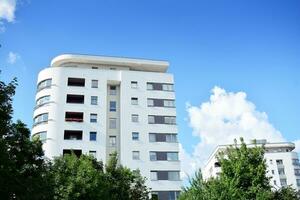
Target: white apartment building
{"x":282,"y":163}
{"x":99,"y":105}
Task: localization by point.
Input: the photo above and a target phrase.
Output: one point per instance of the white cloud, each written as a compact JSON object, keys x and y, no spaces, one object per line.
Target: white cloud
{"x":7,"y":10}
{"x":223,"y":118}
{"x":12,"y":58}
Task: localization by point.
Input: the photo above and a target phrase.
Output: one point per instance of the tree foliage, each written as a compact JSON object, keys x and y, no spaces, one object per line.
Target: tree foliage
{"x":86,"y":178}
{"x":243,"y":177}
{"x":23,"y":171}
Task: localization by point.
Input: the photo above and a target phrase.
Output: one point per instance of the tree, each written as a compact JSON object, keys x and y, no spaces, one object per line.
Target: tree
{"x":243,"y":176}
{"x":77,"y":178}
{"x":124,"y":183}
{"x":86,"y":178}
{"x":244,"y":171}
{"x":23,"y":172}
{"x":286,"y":193}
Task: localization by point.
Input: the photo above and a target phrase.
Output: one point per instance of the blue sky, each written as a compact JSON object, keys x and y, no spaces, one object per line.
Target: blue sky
{"x":249,"y":46}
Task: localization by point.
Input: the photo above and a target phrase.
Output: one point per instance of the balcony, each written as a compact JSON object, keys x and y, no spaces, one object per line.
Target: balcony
{"x":73,"y":98}
{"x":74,"y":117}
{"x":73,"y":135}
{"x":78,"y":82}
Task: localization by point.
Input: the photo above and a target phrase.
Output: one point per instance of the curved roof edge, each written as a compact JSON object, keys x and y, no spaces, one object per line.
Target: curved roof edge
{"x":134,"y":64}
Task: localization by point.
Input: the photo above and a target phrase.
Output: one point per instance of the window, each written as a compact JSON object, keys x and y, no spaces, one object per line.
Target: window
{"x":153,"y":156}
{"x":93,"y":136}
{"x":273,"y":172}
{"x":170,"y":120}
{"x":298,"y":182}
{"x":151,"y":119}
{"x":163,"y":156}
{"x":134,"y":101}
{"x":152,"y":137}
{"x":74,"y":116}
{"x":173,"y":176}
{"x":157,"y":119}
{"x":271,"y":161}
{"x":153,"y":176}
{"x":135,"y":136}
{"x":168,"y":87}
{"x":93,"y":118}
{"x":297,"y":172}
{"x":163,"y":137}
{"x":42,"y":100}
{"x":172,"y":156}
{"x":283,"y":182}
{"x":94,"y":100}
{"x":217,"y":164}
{"x":135,"y":155}
{"x":165,"y":175}
{"x":274,"y":182}
{"x":73,"y":98}
{"x":113,"y":90}
{"x":134,"y":84}
{"x":77,"y":152}
{"x":44,"y":84}
{"x":72,"y":135}
{"x":135,"y":118}
{"x":149,"y":86}
{"x":94,"y":84}
{"x":79,"y":82}
{"x":93,"y":153}
{"x":40,"y":118}
{"x":112,"y":106}
{"x":171,"y":137}
{"x":160,"y":86}
{"x":279,"y":162}
{"x":281,"y":171}
{"x":169,"y":103}
{"x":150,"y":102}
{"x":168,"y":195}
{"x":112,"y":141}
{"x":161,"y":103}
{"x":295,"y":162}
{"x":42,"y":136}
{"x":112,"y":123}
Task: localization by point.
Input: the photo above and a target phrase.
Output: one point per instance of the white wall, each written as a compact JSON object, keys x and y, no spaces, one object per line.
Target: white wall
{"x":56,"y":124}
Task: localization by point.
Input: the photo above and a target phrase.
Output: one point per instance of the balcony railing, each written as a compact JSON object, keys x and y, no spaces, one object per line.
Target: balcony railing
{"x":74,"y":120}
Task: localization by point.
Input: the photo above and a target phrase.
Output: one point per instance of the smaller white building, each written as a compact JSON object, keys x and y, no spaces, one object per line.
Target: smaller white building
{"x":282,"y":163}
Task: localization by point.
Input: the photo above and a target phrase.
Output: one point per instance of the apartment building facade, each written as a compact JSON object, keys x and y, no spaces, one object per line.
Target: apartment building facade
{"x":99,"y":105}
{"x":282,"y":164}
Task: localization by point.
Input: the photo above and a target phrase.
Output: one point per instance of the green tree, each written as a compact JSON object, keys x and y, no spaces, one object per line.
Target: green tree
{"x":77,"y":178}
{"x":243,"y":177}
{"x":23,"y":172}
{"x":244,"y":172}
{"x":85,"y":178}
{"x":286,"y":193}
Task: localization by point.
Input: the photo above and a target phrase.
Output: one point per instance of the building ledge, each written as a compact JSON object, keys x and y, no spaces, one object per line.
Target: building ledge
{"x":131,"y":63}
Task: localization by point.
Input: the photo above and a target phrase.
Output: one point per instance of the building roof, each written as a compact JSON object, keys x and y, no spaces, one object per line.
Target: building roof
{"x":266,"y":145}
{"x":133,"y":64}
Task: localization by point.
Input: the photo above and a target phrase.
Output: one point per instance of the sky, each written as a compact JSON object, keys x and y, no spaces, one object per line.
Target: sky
{"x":236,"y":63}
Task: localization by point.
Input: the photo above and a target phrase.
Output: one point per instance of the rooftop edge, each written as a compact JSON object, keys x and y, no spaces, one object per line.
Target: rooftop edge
{"x":132,"y":63}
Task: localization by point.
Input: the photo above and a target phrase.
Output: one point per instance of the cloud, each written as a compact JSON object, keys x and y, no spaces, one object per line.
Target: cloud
{"x":13,"y":58}
{"x":188,"y":164}
{"x":223,"y":118}
{"x":7,"y":12}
